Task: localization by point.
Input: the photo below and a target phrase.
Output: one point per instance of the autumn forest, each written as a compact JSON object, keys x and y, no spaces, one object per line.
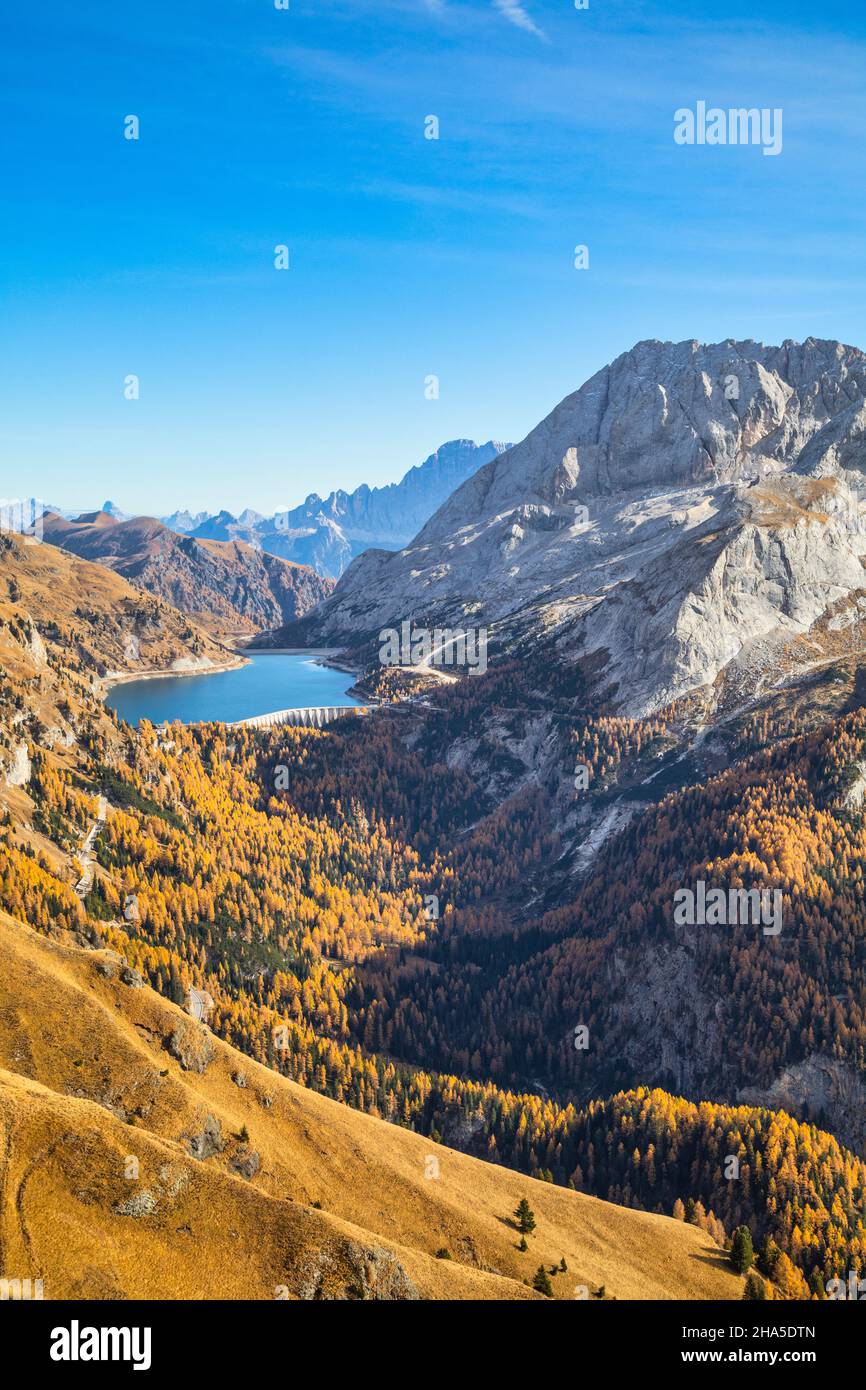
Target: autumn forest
{"x":374,"y":923}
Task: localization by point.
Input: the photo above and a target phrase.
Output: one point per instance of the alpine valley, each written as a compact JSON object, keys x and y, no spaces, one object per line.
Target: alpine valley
{"x":399,"y":1008}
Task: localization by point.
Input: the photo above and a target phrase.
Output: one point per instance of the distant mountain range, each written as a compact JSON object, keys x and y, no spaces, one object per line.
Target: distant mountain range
{"x":250,"y":573}
{"x":328,"y":532}
{"x":228,"y":587}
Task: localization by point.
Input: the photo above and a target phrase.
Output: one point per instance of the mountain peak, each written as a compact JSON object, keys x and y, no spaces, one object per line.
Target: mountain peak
{"x":112,"y":510}
{"x":686,"y":501}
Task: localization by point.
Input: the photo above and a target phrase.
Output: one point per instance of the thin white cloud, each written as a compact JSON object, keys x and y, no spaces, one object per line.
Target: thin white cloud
{"x":516,"y":14}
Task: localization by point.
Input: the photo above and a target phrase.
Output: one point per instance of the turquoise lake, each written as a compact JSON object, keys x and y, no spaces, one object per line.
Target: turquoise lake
{"x":269,"y":682}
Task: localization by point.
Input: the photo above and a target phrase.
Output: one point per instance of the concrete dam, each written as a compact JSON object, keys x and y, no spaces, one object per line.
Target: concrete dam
{"x":311,"y":717}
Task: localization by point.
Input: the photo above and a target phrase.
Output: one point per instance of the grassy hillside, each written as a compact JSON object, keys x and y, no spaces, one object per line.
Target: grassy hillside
{"x":94,"y":618}
{"x":65,"y":626}
{"x":99,"y":1070}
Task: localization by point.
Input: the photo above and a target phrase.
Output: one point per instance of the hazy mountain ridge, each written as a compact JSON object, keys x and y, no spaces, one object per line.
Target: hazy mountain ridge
{"x":328,"y":532}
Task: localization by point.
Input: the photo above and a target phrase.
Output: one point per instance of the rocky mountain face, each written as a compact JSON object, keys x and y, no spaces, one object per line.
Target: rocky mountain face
{"x":227,"y":586}
{"x":685,"y":515}
{"x":328,"y":532}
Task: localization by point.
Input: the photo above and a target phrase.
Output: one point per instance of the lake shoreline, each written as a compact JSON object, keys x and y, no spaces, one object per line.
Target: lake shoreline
{"x":245,"y":655}
{"x":289,"y":651}
{"x":115,"y":678}
{"x":248,"y":688}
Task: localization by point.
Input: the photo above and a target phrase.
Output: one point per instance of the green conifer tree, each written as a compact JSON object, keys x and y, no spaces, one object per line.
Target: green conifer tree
{"x":541,"y":1283}
{"x":742,"y":1254}
{"x":525,"y":1217}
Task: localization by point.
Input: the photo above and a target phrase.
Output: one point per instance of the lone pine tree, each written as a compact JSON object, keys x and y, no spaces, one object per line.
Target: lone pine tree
{"x":525,"y":1217}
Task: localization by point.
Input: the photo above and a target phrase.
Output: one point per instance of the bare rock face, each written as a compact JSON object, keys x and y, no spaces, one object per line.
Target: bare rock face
{"x":854,"y":796}
{"x":688,"y":502}
{"x":37,"y":650}
{"x":207,"y":1141}
{"x":19,"y":773}
{"x":829,"y":1090}
{"x":693,"y":608}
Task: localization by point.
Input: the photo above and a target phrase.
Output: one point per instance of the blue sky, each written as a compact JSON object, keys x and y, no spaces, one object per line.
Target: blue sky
{"x":409,"y":257}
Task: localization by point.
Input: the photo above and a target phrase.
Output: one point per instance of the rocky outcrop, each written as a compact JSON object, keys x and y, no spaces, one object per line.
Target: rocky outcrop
{"x":140,"y":1204}
{"x":207,"y":1141}
{"x":246,"y":1162}
{"x":349,"y":1270}
{"x":21,"y":768}
{"x":825,"y":1090}
{"x":855,"y":793}
{"x":192,"y":1044}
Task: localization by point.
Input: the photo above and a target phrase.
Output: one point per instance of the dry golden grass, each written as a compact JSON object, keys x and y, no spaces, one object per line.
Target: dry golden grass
{"x":89,"y":1084}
